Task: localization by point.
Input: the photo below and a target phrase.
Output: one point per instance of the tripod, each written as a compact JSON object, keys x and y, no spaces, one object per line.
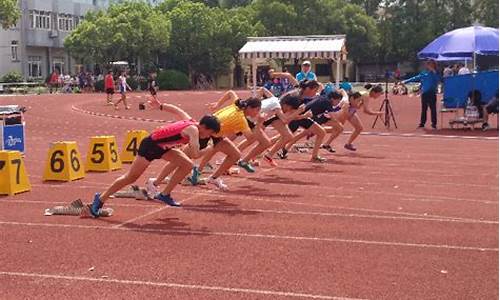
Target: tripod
{"x":387,"y":108}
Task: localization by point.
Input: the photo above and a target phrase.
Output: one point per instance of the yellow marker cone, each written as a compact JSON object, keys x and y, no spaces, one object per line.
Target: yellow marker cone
{"x":13,"y":176}
{"x":63,"y":162}
{"x":102,"y":155}
{"x":131,"y":145}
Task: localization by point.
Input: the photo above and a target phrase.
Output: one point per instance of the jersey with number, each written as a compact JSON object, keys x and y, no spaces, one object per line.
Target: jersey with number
{"x":170,"y":135}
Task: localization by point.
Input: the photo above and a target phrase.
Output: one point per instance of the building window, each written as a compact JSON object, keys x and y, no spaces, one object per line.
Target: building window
{"x":323,"y":70}
{"x":58,"y":64}
{"x":65,"y":22}
{"x":40,"y":19}
{"x":13,"y":50}
{"x":34,"y":66}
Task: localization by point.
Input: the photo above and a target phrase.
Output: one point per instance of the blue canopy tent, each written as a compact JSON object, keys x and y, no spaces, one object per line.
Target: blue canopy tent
{"x":465,"y":44}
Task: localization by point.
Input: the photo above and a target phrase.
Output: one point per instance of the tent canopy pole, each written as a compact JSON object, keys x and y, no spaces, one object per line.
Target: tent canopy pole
{"x":254,"y":77}
{"x":337,"y":77}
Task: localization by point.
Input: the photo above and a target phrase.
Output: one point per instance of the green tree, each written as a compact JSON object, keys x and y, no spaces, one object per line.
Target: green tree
{"x":295,"y":17}
{"x":486,"y":12}
{"x":205,"y":40}
{"x":126,"y":31}
{"x":9,"y":13}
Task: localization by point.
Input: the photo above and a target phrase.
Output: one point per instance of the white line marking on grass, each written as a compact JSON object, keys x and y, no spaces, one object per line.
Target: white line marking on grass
{"x":258,"y":235}
{"x":175,"y":285}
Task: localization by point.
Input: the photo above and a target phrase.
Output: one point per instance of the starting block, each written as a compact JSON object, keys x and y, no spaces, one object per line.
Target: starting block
{"x":133,"y":191}
{"x":13,"y":176}
{"x":63,"y":162}
{"x":75,"y":208}
{"x":102,"y":155}
{"x":131,"y":145}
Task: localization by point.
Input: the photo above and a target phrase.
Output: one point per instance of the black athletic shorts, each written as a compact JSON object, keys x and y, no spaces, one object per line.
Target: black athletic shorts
{"x":204,"y":142}
{"x":152,"y":91}
{"x":304,"y":123}
{"x":321,"y":119}
{"x":150,"y":150}
{"x":110,"y":91}
{"x":270,"y":121}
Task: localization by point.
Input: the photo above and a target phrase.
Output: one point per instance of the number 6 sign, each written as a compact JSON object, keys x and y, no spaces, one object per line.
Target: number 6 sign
{"x":63,"y":162}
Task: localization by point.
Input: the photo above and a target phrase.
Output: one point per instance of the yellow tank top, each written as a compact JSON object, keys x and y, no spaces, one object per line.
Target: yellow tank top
{"x":232,"y":121}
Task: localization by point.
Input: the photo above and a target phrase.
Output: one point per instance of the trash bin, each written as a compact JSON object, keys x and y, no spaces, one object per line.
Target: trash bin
{"x":12,"y":128}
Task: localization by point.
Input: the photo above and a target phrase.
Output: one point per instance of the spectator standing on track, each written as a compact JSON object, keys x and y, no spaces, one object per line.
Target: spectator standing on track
{"x":430,"y":81}
{"x":305,"y":73}
{"x":109,"y":87}
{"x":122,"y":87}
{"x":81,"y":81}
{"x":53,"y":81}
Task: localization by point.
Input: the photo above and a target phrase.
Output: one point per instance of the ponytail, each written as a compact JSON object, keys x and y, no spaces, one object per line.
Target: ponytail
{"x":248,"y":103}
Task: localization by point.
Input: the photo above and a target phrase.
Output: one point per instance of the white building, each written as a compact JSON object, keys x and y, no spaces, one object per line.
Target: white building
{"x":34,"y":47}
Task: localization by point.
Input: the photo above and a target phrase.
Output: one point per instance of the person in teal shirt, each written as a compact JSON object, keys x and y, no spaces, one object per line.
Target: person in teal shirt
{"x":430,"y":80}
{"x":305,"y":73}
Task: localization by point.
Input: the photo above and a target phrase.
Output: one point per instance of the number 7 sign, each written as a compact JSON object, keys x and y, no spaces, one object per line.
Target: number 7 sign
{"x":13,"y":176}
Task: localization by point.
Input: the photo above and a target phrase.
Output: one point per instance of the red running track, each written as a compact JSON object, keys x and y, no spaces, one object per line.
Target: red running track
{"x":406,"y":217}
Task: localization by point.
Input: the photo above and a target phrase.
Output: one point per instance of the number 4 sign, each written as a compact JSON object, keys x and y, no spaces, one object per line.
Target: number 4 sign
{"x":102,"y":155}
{"x":131,"y":145}
{"x":13,"y":177}
{"x":63,"y":162}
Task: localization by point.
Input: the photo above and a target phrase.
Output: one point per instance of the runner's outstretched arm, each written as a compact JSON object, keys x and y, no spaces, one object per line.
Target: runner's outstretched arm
{"x":176,"y":111}
{"x":229,"y":96}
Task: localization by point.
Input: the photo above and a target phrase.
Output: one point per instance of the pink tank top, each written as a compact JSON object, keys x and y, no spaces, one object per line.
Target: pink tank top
{"x":170,"y":135}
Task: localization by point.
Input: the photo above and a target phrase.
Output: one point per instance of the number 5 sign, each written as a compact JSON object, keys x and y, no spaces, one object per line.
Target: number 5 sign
{"x":102,"y":155}
{"x":63,"y":162}
{"x":13,"y":177}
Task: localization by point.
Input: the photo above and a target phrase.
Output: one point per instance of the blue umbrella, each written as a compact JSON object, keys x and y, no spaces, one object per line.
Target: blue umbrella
{"x":462,"y":43}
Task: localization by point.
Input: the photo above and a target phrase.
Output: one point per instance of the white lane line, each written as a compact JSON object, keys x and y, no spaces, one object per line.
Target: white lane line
{"x":309,"y":204}
{"x":258,"y":235}
{"x":411,"y":217}
{"x":327,"y":214}
{"x":162,"y":208}
{"x":175,"y":285}
{"x":165,"y":207}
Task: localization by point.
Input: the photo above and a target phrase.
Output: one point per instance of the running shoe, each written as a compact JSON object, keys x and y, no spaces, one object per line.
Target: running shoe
{"x":318,"y":159}
{"x":167,"y":200}
{"x":95,"y":206}
{"x":283,"y":153}
{"x":350,"y":147}
{"x":218,"y":183}
{"x":270,"y":160}
{"x":151,"y":188}
{"x":247,"y":166}
{"x":328,"y":148}
{"x":195,"y":176}
{"x":485,"y":127}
